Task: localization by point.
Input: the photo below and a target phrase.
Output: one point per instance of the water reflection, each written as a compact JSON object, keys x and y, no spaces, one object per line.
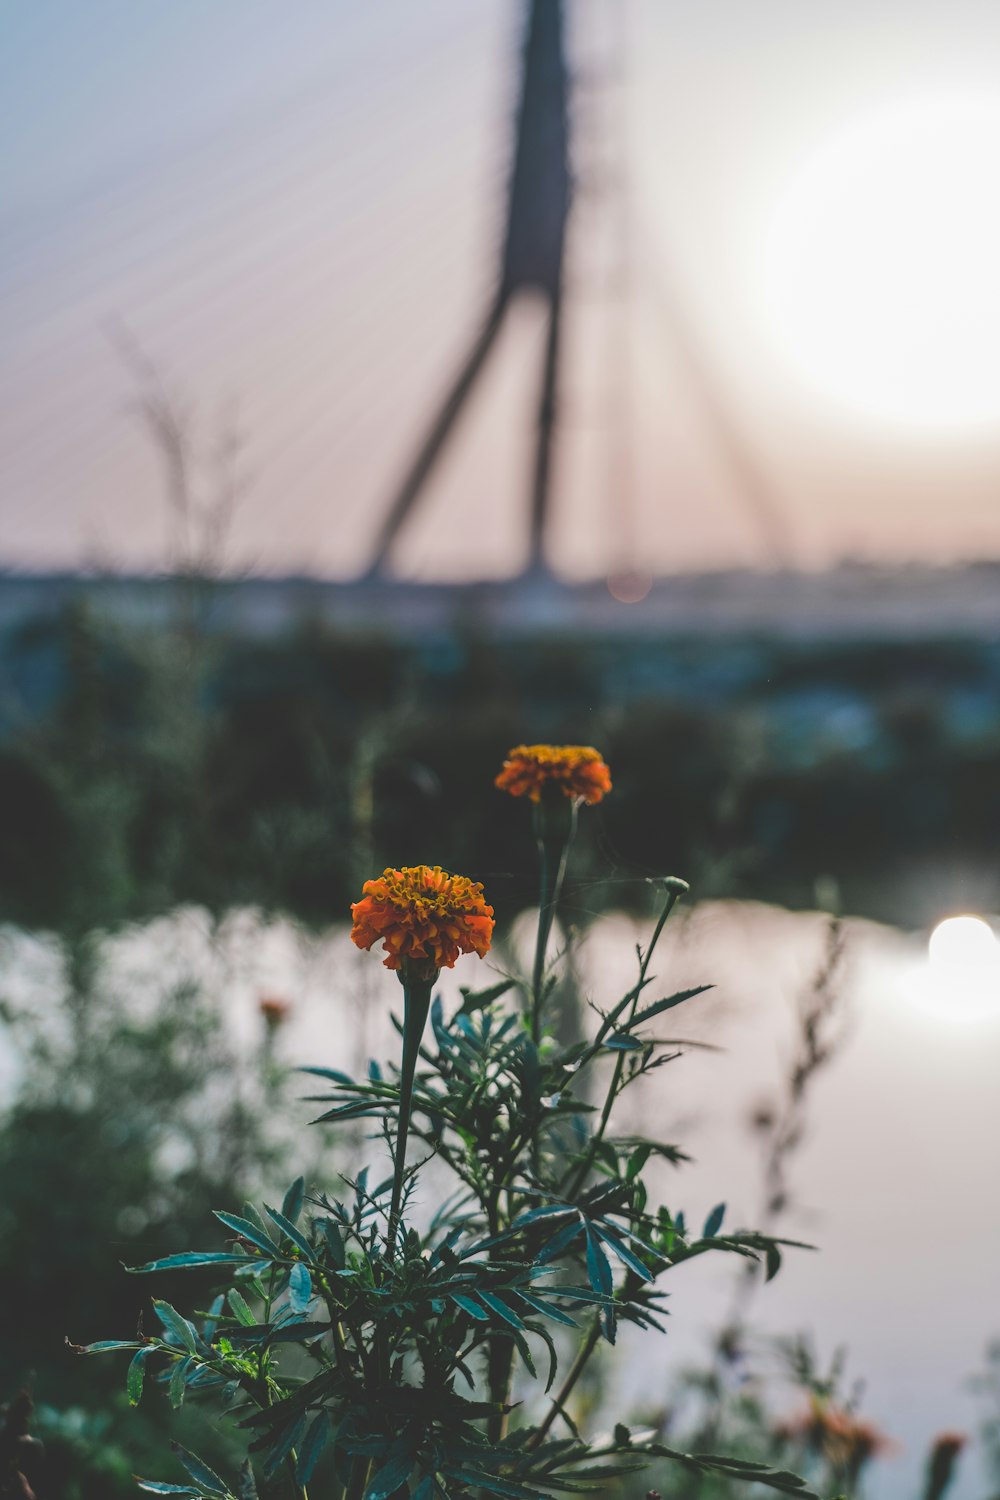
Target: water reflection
{"x":899,"y":1144}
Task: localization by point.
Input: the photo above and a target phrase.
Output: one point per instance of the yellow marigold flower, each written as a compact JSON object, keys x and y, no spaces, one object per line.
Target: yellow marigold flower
{"x":577,"y":770}
{"x":425,"y":916}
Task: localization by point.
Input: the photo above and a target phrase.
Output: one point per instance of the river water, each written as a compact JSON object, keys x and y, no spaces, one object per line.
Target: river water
{"x":895,"y":1181}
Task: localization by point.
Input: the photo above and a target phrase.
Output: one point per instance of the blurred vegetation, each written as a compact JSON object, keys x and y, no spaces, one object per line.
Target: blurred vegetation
{"x":141,"y":770}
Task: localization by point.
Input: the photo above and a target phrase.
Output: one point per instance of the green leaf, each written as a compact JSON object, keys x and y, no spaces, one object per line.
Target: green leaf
{"x":638,"y":1160}
{"x":157,"y":1487}
{"x":300,"y":1287}
{"x":472,"y":1308}
{"x":246,"y":1484}
{"x":542,"y":1213}
{"x":391,"y":1476}
{"x":283,"y":1446}
{"x":772,"y":1258}
{"x":288,"y":1228}
{"x":335,"y":1243}
{"x":659,"y":1006}
{"x":625,"y":1255}
{"x":178,"y":1378}
{"x":477,"y":1479}
{"x":500,"y":1308}
{"x":240,"y":1308}
{"x":714,"y":1221}
{"x":212,"y":1318}
{"x":291,"y":1205}
{"x":175,"y":1325}
{"x":558,"y":1243}
{"x":191,"y":1258}
{"x":524,"y":1350}
{"x":203,"y":1476}
{"x":598,"y":1268}
{"x":296,"y":1331}
{"x":736,"y":1468}
{"x":134,"y":1378}
{"x":248,"y":1231}
{"x":106,"y":1346}
{"x":545,"y":1336}
{"x":315,"y":1440}
{"x":555,"y":1313}
{"x":473,"y":1000}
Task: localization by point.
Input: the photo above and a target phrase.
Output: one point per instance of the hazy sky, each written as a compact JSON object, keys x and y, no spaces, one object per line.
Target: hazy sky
{"x":292,"y":209}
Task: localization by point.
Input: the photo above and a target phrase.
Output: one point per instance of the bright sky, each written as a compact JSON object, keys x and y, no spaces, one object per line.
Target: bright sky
{"x":293,"y":210}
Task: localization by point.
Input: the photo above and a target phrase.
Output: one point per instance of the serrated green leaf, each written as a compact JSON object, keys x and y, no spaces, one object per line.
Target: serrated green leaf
{"x":559,"y":1242}
{"x":472,"y":1308}
{"x":524,"y":1349}
{"x":477,"y":1479}
{"x":191,"y":1258}
{"x":473,"y":1000}
{"x":316,"y":1438}
{"x":176,"y":1325}
{"x":134,"y":1378}
{"x":246,"y":1484}
{"x":289,"y":1230}
{"x":107,"y":1346}
{"x":300,"y":1287}
{"x":204,"y":1477}
{"x":212,"y":1318}
{"x":157,"y":1487}
{"x":598,"y":1267}
{"x":178,"y":1381}
{"x":240,"y":1308}
{"x":391,"y":1476}
{"x":547,"y":1340}
{"x":624,"y":1254}
{"x":497,"y":1305}
{"x":335,"y":1243}
{"x":548,"y":1211}
{"x":248,"y":1231}
{"x":659,"y":1006}
{"x":714,"y":1221}
{"x":283,"y":1446}
{"x":555,"y":1313}
{"x":291,"y":1205}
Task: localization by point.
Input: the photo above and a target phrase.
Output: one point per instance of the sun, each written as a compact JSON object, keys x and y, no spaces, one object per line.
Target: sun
{"x":959,"y":980}
{"x":878,"y":269}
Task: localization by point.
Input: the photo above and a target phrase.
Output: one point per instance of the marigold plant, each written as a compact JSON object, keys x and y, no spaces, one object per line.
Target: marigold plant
{"x":367,"y":1343}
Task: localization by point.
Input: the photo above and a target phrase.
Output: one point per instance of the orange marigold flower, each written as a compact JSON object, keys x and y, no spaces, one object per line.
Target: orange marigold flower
{"x":274,"y":1008}
{"x":577,"y":770}
{"x":424,"y":915}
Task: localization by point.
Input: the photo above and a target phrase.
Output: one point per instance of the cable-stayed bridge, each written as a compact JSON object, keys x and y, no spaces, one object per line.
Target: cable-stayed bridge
{"x":426,"y":283}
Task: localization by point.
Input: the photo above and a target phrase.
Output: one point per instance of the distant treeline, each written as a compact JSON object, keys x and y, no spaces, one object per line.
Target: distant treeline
{"x":139,"y":771}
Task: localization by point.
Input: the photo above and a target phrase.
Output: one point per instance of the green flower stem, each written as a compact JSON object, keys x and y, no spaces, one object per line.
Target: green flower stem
{"x":356,"y":1485}
{"x":416,"y":1004}
{"x":501,"y":1371}
{"x":293,"y":1470}
{"x":674,"y":890}
{"x":555,"y":824}
{"x":576,"y":1369}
